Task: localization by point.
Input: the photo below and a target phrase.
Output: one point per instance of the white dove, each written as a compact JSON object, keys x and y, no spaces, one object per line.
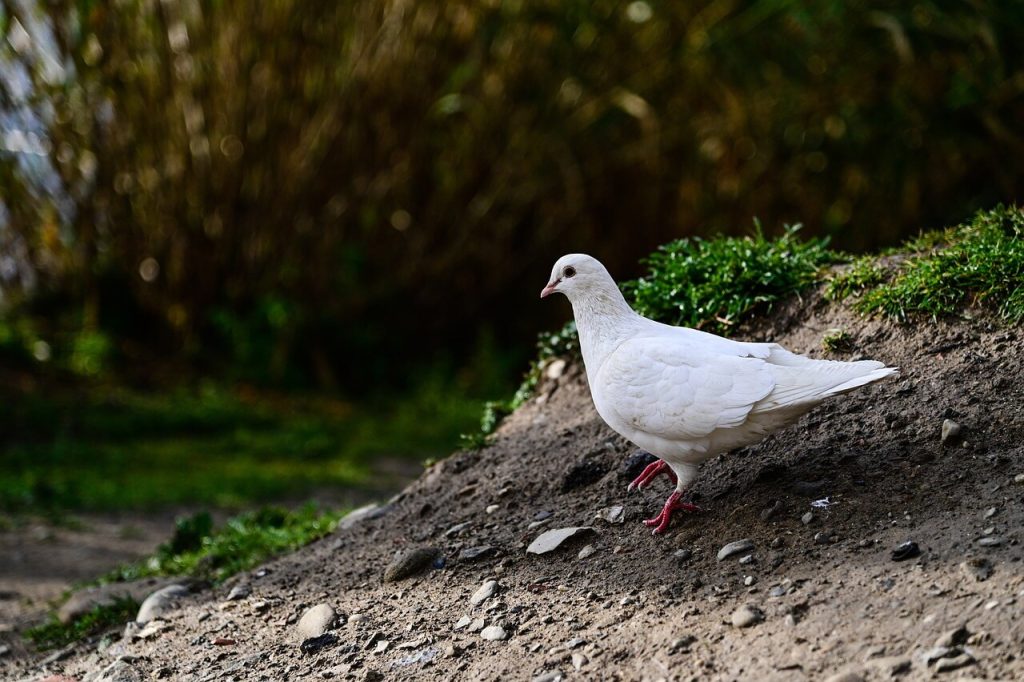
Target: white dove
{"x":685,"y":395}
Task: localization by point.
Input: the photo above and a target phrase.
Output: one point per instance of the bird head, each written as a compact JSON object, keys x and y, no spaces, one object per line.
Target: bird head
{"x":575,"y":274}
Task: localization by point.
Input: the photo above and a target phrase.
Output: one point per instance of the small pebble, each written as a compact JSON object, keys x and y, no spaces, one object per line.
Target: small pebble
{"x":990,"y":512}
{"x":682,"y":555}
{"x":494,"y":633}
{"x":1019,"y":479}
{"x":491,"y":508}
{"x":240,"y":591}
{"x":485,"y":592}
{"x":315,"y":621}
{"x":807,"y":518}
{"x":734,"y":548}
{"x":950,"y":429}
{"x":462,"y":622}
{"x":410,"y":563}
{"x":746,"y":616}
{"x":749,"y":580}
{"x":990,"y":541}
{"x":822,"y":538}
{"x":907,"y":550}
{"x":747,"y":560}
{"x":586,"y":552}
{"x":578,"y":661}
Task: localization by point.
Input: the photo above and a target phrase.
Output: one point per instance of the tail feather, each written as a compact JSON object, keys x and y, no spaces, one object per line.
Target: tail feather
{"x":806,"y":380}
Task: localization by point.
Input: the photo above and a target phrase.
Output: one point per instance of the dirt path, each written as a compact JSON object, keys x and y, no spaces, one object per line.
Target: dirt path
{"x":820,"y":597}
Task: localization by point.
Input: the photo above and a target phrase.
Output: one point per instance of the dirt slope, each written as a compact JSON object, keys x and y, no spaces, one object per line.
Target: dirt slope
{"x":832,"y":598}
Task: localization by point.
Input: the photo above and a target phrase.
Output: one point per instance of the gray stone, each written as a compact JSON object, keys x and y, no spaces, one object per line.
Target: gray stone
{"x":475,"y":553}
{"x":950,"y":429}
{"x":746,"y":616}
{"x":586,"y":552}
{"x":953,"y":663}
{"x":462,"y":622}
{"x":579,"y":660}
{"x":161,"y":602}
{"x":485,"y":592}
{"x":616,"y":514}
{"x":990,"y":541}
{"x":682,"y":555}
{"x":494,"y":633}
{"x":807,"y":518}
{"x":458,"y":528}
{"x":357,"y":516}
{"x":410,"y":563}
{"x":315,"y":621}
{"x":86,"y":600}
{"x":553,"y":539}
{"x":734,"y":548}
{"x":239,"y":591}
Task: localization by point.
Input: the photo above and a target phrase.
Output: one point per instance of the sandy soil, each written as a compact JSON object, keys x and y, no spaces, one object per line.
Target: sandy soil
{"x":828,"y":599}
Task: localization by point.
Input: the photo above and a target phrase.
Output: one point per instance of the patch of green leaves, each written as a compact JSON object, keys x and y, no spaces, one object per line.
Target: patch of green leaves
{"x":713,"y":284}
{"x":53,"y":633}
{"x":979,"y":262}
{"x":244,"y":541}
{"x":836,"y":341}
{"x":862,"y":273}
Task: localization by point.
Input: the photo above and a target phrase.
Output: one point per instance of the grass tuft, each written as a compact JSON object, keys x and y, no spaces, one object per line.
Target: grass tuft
{"x":980,"y":262}
{"x":199,"y":550}
{"x":53,"y":633}
{"x":714,"y":284}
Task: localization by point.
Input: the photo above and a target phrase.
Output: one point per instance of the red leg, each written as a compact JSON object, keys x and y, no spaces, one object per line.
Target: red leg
{"x":650,"y":473}
{"x":673,"y":503}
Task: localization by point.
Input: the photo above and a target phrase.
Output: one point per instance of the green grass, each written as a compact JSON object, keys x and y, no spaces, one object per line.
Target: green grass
{"x":199,"y":550}
{"x":105,"y":449}
{"x":714,"y":284}
{"x":53,"y":634}
{"x":978,"y":263}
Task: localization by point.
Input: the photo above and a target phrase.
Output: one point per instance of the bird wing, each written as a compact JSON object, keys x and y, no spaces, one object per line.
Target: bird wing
{"x":677,"y":390}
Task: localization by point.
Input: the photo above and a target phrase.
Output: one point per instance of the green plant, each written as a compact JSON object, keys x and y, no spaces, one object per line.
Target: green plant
{"x":836,"y":341}
{"x":53,"y":633}
{"x":980,"y":262}
{"x":713,"y":284}
{"x":197,"y":549}
{"x":862,"y":273}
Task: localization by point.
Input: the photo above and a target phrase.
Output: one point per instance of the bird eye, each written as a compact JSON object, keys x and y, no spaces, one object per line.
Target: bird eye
{"x":569,"y":272}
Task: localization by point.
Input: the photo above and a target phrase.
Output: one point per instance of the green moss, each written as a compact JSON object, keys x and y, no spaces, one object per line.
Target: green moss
{"x":53,"y":633}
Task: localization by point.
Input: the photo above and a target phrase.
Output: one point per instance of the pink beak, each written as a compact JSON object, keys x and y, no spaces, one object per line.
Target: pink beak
{"x":549,"y":289}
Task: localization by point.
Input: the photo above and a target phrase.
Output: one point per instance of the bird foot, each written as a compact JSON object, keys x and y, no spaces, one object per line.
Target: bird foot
{"x":673,"y":503}
{"x":650,"y":473}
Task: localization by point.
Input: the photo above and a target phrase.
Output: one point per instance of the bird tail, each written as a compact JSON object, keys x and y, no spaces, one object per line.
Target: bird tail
{"x":801,"y":380}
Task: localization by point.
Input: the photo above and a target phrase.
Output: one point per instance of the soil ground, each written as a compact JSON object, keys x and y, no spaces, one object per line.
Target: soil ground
{"x":869,"y":467}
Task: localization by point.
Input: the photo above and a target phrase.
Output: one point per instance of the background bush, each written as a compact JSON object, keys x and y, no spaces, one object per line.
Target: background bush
{"x":295,"y":195}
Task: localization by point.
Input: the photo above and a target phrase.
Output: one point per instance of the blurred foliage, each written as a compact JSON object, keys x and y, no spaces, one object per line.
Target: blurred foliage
{"x":110,"y":449}
{"x":980,"y":262}
{"x":199,"y":550}
{"x":290,"y":196}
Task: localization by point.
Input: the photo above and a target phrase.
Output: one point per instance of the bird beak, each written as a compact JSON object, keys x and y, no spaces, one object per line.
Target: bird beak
{"x":550,"y":288}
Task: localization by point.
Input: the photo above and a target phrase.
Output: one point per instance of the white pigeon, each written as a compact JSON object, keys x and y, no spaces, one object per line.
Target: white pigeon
{"x":685,"y":395}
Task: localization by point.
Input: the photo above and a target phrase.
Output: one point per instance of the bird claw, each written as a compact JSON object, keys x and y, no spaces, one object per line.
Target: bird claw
{"x":649,"y":474}
{"x":673,"y":503}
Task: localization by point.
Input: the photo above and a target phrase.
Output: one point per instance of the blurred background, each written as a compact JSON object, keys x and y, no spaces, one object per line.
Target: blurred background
{"x":254,"y":250}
